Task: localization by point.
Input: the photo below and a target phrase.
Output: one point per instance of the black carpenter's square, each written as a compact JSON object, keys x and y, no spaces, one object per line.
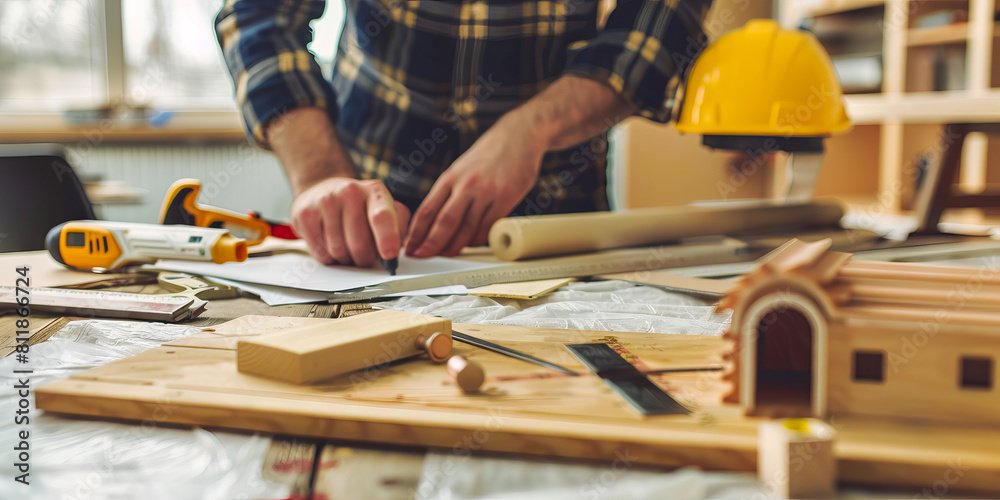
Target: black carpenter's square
{"x":626,"y":380}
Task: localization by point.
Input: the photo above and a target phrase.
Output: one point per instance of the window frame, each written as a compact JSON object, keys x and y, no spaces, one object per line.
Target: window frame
{"x":185,"y":125}
{"x":963,"y":381}
{"x":855,"y":353}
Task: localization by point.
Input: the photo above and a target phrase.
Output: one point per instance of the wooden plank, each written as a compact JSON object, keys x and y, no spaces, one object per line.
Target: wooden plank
{"x":930,"y":295}
{"x":524,"y":290}
{"x":41,"y":327}
{"x":979,"y":61}
{"x":522,"y":408}
{"x":894,"y":27}
{"x":676,"y":282}
{"x":200,"y":126}
{"x":45,"y":272}
{"x":828,"y":7}
{"x":890,"y":174}
{"x":925,"y":107}
{"x":936,"y":35}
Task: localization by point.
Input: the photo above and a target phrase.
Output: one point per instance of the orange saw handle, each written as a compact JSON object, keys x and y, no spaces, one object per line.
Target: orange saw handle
{"x":179,"y":207}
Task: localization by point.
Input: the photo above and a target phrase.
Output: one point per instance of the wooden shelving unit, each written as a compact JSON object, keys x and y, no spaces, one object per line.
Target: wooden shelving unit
{"x":814,"y":9}
{"x":952,"y":33}
{"x":924,"y":107}
{"x":192,"y":126}
{"x":908,"y":122}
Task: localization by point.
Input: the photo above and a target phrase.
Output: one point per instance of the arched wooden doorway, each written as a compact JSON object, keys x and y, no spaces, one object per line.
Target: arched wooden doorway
{"x":781,"y":359}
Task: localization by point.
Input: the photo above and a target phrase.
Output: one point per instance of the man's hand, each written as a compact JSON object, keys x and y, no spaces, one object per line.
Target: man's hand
{"x":343,"y":220}
{"x":500,"y":168}
{"x":483,"y":185}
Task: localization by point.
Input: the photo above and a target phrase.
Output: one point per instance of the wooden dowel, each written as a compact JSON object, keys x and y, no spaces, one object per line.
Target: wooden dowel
{"x":912,"y":272}
{"x":953,"y":295}
{"x":913,"y":315}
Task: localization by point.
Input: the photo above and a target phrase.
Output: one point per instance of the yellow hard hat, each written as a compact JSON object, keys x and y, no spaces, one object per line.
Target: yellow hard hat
{"x":763,"y":80}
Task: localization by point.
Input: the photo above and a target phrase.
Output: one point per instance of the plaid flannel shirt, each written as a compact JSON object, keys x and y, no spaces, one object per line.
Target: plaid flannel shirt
{"x":415,"y":82}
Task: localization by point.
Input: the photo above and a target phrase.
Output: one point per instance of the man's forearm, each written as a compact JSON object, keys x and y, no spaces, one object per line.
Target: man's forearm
{"x":306,"y":144}
{"x":571,"y":110}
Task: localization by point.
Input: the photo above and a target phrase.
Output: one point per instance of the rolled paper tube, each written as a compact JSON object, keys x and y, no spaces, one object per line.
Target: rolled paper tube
{"x":467,"y":374}
{"x":514,"y":238}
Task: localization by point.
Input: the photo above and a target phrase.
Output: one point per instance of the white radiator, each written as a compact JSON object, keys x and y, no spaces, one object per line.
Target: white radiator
{"x":234,"y":176}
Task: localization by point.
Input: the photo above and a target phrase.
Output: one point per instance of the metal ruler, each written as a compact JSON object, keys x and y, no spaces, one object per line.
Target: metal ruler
{"x":167,"y":308}
{"x":901,"y":251}
{"x":626,"y":380}
{"x":611,"y":261}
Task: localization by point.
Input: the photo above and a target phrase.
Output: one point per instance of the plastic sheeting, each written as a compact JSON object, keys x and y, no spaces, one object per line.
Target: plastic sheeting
{"x":447,"y":476}
{"x":85,"y":459}
{"x":616,"y":306}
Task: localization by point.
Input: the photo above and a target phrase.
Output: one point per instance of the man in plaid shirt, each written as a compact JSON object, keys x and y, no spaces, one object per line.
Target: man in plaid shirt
{"x":460,"y":111}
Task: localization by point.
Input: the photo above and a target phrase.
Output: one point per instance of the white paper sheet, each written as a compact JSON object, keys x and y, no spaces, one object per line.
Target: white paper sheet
{"x":294,"y":270}
{"x":280,"y":296}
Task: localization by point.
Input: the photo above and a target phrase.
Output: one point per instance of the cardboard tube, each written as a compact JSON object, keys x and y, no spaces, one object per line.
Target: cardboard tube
{"x":514,"y":238}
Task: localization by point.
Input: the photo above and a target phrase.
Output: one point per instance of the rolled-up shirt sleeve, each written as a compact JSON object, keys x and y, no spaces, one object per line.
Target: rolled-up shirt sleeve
{"x":264,"y":45}
{"x":643,"y":51}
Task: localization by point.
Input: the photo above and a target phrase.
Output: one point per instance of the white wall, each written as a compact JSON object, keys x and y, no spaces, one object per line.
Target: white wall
{"x":234,"y":176}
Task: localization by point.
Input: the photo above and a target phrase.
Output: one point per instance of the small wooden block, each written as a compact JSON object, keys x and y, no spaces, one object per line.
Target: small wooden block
{"x":316,"y":352}
{"x":795,"y":458}
{"x":669,"y":280}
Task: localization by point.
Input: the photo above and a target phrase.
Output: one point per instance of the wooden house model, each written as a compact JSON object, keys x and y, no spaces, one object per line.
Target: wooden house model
{"x":816,"y":333}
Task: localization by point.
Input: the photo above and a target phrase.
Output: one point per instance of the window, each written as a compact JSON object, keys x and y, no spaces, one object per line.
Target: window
{"x":171,"y":58}
{"x":869,"y":366}
{"x":51,"y":56}
{"x":976,"y":372}
{"x":64,"y":54}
